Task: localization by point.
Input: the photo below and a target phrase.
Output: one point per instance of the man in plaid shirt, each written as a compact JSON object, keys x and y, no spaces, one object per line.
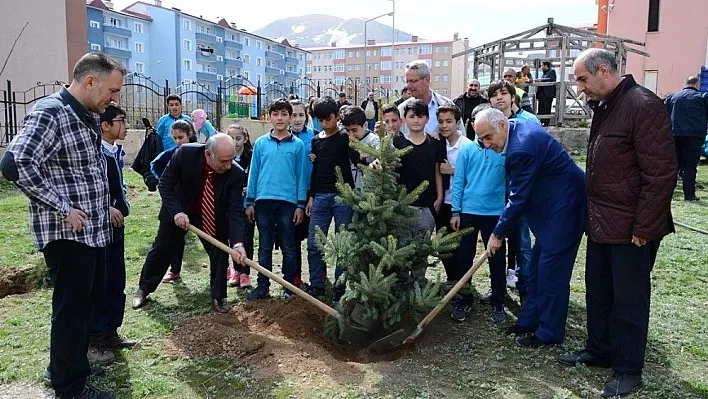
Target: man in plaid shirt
{"x":56,"y":161}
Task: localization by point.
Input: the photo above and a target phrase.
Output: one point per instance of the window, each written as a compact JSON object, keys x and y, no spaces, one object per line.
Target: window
{"x":259,"y":61}
{"x":139,"y":27}
{"x":219,"y":39}
{"x":653,"y":24}
{"x":231,"y":72}
{"x":437,"y":50}
{"x":259,"y":77}
{"x":446,"y":63}
{"x":95,"y":47}
{"x":232,"y":54}
{"x":219,"y":77}
{"x":187,"y":65}
{"x":339,"y":54}
{"x":385,"y":78}
{"x":309,"y":69}
{"x":186,"y":24}
{"x":446,"y":49}
{"x":437,"y":78}
{"x":259,"y":44}
{"x":139,"y":48}
{"x":247,"y":41}
{"x":219,"y":58}
{"x":386,"y":52}
{"x":386,"y":65}
{"x":375,"y":51}
{"x":309,"y":57}
{"x":445,"y":77}
{"x":351,"y":54}
{"x":339,"y":68}
{"x":650,"y":80}
{"x":187,"y":45}
{"x":368,"y":53}
{"x":116,"y":43}
{"x":349,"y":68}
{"x":95,"y":24}
{"x":437,"y":64}
{"x":358,"y":54}
{"x":113,"y":22}
{"x":426,"y":49}
{"x":444,"y":92}
{"x":247,"y":75}
{"x":139,"y":67}
{"x":246,"y":59}
{"x":300,"y":56}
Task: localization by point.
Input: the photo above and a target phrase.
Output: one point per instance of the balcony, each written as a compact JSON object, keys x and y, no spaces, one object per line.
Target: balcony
{"x":233,"y":62}
{"x":273,"y":55}
{"x":204,"y":37}
{"x":118,"y":31}
{"x":117,"y":52}
{"x":208,"y":58}
{"x":272,"y":71}
{"x":291,"y":60}
{"x":234,"y":45}
{"x":210,"y":76}
{"x":291,"y":75}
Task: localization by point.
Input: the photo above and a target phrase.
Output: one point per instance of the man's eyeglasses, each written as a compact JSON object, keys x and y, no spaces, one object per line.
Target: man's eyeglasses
{"x":123,"y":121}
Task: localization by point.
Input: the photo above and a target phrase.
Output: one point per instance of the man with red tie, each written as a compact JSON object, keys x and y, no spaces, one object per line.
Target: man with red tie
{"x":202,"y":186}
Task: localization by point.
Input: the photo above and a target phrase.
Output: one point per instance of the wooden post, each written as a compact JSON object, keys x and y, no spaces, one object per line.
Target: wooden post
{"x":562,"y":94}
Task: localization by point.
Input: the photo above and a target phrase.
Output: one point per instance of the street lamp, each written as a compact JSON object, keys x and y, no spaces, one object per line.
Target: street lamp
{"x":149,"y":68}
{"x":366,"y":65}
{"x":393,"y":42}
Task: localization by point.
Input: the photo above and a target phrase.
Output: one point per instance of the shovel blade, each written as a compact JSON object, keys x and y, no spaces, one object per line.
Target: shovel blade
{"x":388,"y":343}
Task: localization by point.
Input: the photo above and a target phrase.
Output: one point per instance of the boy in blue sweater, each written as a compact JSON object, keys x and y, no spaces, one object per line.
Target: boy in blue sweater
{"x":478,"y":199}
{"x":276,"y":194}
{"x":331,"y":150}
{"x":108,"y":314}
{"x":164,"y":124}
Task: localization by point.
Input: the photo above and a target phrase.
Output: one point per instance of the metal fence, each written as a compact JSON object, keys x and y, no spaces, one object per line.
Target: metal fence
{"x":15,"y":104}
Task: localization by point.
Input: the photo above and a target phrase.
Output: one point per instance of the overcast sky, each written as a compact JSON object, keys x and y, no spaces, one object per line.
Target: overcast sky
{"x":481,"y":21}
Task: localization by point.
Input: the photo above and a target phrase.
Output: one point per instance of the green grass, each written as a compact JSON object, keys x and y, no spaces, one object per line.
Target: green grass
{"x":468,"y":360}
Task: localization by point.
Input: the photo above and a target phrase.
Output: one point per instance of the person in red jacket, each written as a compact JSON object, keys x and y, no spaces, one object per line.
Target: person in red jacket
{"x":631,"y":175}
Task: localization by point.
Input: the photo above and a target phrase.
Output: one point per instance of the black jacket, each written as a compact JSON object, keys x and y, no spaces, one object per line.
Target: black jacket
{"x":181,"y":186}
{"x":466,"y":111}
{"x":688,"y":110}
{"x":547,"y":92}
{"x":376,"y":108}
{"x":151,"y":148}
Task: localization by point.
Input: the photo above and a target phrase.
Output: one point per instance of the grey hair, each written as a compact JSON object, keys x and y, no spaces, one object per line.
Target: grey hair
{"x":213,"y":142}
{"x":474,"y":81}
{"x":692,"y":80}
{"x":594,"y":57}
{"x":420,"y":67}
{"x":96,"y":64}
{"x":492,"y":117}
{"x":478,"y":109}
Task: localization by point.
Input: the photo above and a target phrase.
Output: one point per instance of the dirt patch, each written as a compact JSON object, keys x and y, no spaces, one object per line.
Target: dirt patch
{"x":272,"y":337}
{"x":15,"y":280}
{"x":24,"y":390}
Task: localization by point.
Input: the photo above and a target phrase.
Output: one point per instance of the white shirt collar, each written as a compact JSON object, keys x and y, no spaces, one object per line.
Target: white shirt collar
{"x":112,"y":148}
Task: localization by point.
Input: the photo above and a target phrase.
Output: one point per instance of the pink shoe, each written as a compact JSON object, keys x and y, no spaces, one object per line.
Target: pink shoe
{"x":232,"y":277}
{"x":171,"y":277}
{"x":245,"y":280}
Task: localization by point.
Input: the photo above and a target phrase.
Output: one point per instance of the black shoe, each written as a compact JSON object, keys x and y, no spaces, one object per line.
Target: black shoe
{"x":583,"y":358}
{"x":258,"y":293}
{"x":532,"y":341}
{"x":91,"y":392}
{"x":621,"y":384}
{"x":316,"y":292}
{"x":47,"y":376}
{"x":518,"y":330}
{"x":459,"y":312}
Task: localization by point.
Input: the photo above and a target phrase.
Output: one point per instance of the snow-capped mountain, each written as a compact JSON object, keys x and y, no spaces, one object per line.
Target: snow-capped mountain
{"x":317,"y":30}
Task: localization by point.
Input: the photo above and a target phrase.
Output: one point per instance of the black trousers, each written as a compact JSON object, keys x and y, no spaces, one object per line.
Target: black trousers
{"x":618,"y":294}
{"x":544,"y":108}
{"x":468,"y":250}
{"x":688,"y":153}
{"x":109,"y":312}
{"x":442,"y":219}
{"x":163,"y":250}
{"x":77,"y":273}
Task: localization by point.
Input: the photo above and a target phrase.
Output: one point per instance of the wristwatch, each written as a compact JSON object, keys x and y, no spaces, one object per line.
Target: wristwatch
{"x":238,"y":245}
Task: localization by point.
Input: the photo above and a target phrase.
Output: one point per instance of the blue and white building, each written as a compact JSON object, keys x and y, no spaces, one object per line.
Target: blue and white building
{"x":123,"y":35}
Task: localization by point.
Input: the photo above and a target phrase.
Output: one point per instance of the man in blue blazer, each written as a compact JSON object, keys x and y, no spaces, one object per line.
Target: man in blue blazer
{"x":548,"y":189}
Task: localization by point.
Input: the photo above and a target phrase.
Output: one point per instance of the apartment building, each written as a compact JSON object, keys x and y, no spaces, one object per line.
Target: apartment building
{"x":171,"y":46}
{"x":380,"y":67}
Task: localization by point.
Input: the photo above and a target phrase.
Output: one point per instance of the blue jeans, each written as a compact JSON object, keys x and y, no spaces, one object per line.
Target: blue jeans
{"x":521,"y":238}
{"x":371,"y":123}
{"x":276,"y":216}
{"x":324,"y":208}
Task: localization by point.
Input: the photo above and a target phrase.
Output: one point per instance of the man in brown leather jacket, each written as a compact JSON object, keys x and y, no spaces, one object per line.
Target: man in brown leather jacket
{"x":631,"y":175}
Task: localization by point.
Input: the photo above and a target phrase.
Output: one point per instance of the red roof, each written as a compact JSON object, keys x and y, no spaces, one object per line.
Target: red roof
{"x":100,"y":5}
{"x":223,"y":22}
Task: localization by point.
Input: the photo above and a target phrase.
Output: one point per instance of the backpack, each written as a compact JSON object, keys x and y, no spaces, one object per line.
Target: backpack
{"x":152,"y":146}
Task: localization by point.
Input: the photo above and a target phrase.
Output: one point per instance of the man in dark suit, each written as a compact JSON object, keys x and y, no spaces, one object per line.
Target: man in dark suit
{"x":546,"y":94}
{"x":548,"y":189}
{"x":202,"y":185}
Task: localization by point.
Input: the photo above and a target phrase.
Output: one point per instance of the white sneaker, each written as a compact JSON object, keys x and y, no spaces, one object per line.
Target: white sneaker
{"x":511,"y":278}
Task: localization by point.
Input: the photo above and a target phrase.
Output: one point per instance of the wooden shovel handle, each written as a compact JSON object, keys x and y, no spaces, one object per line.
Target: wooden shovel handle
{"x":455,"y":289}
{"x":297,"y":291}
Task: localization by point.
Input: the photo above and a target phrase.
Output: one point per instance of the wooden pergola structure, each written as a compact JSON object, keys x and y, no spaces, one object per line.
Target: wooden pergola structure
{"x":560,"y":45}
